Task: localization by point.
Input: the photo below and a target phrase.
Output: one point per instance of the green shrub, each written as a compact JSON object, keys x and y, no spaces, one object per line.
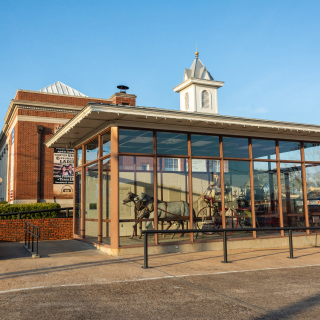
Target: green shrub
{"x":3,"y":202}
{"x":7,"y":208}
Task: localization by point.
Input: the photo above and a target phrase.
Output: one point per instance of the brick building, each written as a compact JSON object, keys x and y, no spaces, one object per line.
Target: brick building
{"x":27,"y":167}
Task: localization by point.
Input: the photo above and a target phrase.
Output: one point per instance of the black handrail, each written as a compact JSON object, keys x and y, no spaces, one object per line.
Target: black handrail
{"x":34,"y":231}
{"x":225,"y":253}
{"x":35,"y":211}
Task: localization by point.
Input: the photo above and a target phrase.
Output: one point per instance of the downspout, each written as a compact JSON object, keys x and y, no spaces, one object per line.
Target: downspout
{"x":39,"y":130}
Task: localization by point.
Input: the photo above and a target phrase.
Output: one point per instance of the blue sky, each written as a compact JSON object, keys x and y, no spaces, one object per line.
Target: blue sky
{"x":266,"y":52}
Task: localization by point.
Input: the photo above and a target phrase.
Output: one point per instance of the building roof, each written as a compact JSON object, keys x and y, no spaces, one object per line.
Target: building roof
{"x":96,"y":117}
{"x":197,"y":71}
{"x":61,"y":88}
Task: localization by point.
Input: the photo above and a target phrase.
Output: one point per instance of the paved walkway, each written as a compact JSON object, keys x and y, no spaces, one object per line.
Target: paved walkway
{"x":73,"y":280}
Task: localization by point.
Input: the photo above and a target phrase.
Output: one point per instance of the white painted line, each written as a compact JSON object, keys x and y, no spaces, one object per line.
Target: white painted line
{"x":155,"y":278}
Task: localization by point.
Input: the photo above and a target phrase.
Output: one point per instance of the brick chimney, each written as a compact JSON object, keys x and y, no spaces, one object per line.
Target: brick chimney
{"x":123,"y":98}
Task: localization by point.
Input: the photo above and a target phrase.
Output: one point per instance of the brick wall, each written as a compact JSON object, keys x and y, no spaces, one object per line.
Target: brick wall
{"x":123,"y":100}
{"x":50,"y":229}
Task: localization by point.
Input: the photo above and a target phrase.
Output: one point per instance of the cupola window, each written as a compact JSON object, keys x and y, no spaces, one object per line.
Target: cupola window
{"x":205,"y":99}
{"x":186,"y":98}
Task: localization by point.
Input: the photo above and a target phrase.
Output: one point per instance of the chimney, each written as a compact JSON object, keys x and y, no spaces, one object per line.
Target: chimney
{"x":123,"y":97}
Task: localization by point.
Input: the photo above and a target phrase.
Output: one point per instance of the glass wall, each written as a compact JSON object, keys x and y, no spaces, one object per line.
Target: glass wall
{"x":135,"y":141}
{"x":245,"y":173}
{"x":135,"y":180}
{"x":79,"y":157}
{"x":173,"y":197}
{"x":92,"y":150}
{"x":235,"y":147}
{"x":237,"y":191}
{"x":172,"y":143}
{"x":77,"y":196}
{"x":206,"y":197}
{"x":313,"y":193}
{"x":91,"y":214}
{"x":292,"y":197}
{"x":266,"y":196}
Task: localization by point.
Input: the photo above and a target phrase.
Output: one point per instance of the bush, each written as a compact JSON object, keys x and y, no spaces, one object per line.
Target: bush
{"x":7,"y":208}
{"x":3,"y":202}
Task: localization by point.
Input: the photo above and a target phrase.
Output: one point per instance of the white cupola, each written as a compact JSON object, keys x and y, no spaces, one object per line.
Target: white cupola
{"x":198,"y":91}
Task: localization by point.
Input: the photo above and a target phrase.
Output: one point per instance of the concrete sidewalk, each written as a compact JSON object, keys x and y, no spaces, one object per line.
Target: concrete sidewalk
{"x":256,"y":284}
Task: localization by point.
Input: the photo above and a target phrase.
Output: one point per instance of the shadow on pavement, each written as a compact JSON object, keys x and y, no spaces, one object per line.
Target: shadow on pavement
{"x":291,"y":310}
{"x":13,"y":250}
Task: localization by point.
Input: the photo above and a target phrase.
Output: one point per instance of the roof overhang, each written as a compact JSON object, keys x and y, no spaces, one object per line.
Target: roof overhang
{"x":199,"y":82}
{"x":95,"y":118}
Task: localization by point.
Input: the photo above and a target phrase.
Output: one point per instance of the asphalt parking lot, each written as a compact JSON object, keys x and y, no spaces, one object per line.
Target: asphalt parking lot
{"x":75,"y":281}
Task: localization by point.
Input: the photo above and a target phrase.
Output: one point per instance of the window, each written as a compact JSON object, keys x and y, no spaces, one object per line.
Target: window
{"x":186,"y":98}
{"x":135,"y":141}
{"x":205,"y":99}
{"x":145,"y":166}
{"x":106,"y":144}
{"x":171,"y":164}
{"x":172,"y":143}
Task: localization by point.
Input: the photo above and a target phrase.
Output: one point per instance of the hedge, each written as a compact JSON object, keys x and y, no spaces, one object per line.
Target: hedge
{"x":7,"y":208}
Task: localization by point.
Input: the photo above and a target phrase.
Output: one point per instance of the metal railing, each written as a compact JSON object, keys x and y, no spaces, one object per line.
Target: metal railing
{"x":225,"y":252}
{"x":32,"y":231}
{"x":36,"y":211}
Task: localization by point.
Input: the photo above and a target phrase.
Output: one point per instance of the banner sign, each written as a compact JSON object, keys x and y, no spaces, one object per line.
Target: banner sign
{"x":63,"y":166}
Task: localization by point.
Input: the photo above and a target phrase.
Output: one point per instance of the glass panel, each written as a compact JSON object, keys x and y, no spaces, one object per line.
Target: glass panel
{"x":235,"y":147}
{"x":92,"y":150}
{"x":312,"y":151}
{"x":313,"y":193}
{"x":289,"y":150}
{"x":266,"y":196}
{"x":238,"y":196}
{"x":206,"y":197}
{"x":205,"y":146}
{"x":106,"y":209}
{"x":92,"y":185}
{"x":106,"y":143}
{"x":172,"y":143}
{"x":173,"y":198}
{"x":136,"y":141}
{"x":263,"y":149}
{"x":291,"y":192}
{"x":78,"y":204}
{"x":79,"y":157}
{"x":135,"y":198}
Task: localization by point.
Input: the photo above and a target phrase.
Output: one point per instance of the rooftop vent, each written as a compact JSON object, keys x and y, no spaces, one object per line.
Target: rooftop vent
{"x":122,"y":88}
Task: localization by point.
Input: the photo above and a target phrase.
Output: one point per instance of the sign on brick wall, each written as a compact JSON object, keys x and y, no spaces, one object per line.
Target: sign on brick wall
{"x":63,"y":165}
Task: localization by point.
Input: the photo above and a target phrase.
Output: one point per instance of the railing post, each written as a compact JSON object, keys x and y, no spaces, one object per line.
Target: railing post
{"x":37,"y":240}
{"x":25,"y":234}
{"x":28,"y":236}
{"x":32,"y":238}
{"x":290,"y":244}
{"x":67,"y":213}
{"x":145,"y":265}
{"x":19,"y":216}
{"x":225,"y":253}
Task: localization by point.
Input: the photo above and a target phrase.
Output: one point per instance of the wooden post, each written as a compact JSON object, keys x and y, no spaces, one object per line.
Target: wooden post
{"x":114,"y":188}
{"x":74,"y":192}
{"x":100,"y":186}
{"x":279,"y":186}
{"x":83,"y":194}
{"x":155,"y":187}
{"x":304,"y":188}
{"x":191,"y":226}
{"x":253,"y":211}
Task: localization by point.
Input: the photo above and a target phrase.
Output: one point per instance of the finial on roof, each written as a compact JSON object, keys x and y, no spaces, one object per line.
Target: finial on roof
{"x":197,"y":53}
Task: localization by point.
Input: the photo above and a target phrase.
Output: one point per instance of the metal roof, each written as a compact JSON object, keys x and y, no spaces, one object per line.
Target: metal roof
{"x":61,"y":88}
{"x":197,"y":71}
{"x":96,"y":117}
